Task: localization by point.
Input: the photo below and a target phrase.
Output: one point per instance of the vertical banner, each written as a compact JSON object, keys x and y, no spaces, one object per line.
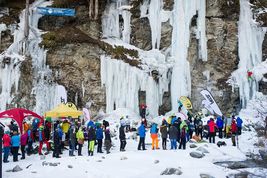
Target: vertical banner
{"x":211,"y":102}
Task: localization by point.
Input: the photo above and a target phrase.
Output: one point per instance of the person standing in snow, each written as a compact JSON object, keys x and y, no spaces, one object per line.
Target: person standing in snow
{"x":107,"y":140}
{"x":122,"y":137}
{"x":212,"y":126}
{"x":30,"y":141}
{"x":42,"y":140}
{"x":154,"y":136}
{"x":6,"y":145}
{"x":57,"y":142}
{"x":99,"y":137}
{"x":183,"y":137}
{"x":173,"y":135}
{"x":72,"y":140}
{"x":142,"y":135}
{"x":239,"y":123}
{"x":23,"y":141}
{"x":80,"y":139}
{"x":191,"y":128}
{"x":15,"y":142}
{"x":91,"y":140}
{"x":233,"y":131}
{"x":219,"y":123}
{"x":164,"y":134}
{"x":200,"y":128}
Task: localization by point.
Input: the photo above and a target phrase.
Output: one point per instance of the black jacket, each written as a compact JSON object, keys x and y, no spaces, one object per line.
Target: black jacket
{"x":107,"y":135}
{"x":91,"y":134}
{"x":164,"y":131}
{"x":122,"y":133}
{"x":173,"y":132}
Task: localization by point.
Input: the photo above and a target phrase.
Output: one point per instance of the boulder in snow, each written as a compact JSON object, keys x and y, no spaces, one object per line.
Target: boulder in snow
{"x":202,"y":149}
{"x":196,"y":154}
{"x":172,"y":171}
{"x":206,"y":176}
{"x":16,"y":169}
{"x":124,"y":158}
{"x":99,"y":160}
{"x":192,"y":145}
{"x":156,"y":161}
{"x":70,"y":166}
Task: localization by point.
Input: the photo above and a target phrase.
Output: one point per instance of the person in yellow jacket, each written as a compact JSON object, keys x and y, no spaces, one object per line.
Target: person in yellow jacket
{"x":80,"y":139}
{"x":65,"y":128}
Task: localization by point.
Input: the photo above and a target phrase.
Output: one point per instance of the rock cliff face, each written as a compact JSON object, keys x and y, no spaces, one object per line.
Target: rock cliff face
{"x":74,"y":50}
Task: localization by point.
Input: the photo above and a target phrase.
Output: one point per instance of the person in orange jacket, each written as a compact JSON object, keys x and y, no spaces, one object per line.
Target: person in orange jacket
{"x":154,"y":136}
{"x":212,"y":132}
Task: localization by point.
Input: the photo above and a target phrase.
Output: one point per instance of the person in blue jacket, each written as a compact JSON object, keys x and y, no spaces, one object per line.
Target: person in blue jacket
{"x":15,"y":143}
{"x":239,"y":125}
{"x":142,"y":135}
{"x":99,"y":138}
{"x":220,"y":124}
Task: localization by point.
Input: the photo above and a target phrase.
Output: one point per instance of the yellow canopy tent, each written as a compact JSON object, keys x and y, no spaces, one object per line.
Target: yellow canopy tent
{"x":63,"y":110}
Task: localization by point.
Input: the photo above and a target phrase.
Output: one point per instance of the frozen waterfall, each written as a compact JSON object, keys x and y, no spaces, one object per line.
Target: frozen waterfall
{"x":250,"y":39}
{"x":183,"y":13}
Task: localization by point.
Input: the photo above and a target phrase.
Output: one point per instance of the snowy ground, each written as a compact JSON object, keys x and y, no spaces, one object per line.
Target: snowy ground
{"x":137,"y":164}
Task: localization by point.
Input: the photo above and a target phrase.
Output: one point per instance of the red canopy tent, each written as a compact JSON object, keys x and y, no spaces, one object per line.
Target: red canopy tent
{"x":18,"y":114}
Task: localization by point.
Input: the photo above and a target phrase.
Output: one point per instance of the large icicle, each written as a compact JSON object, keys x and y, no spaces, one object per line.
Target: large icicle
{"x":250,"y":39}
{"x":183,"y":13}
{"x":155,"y":8}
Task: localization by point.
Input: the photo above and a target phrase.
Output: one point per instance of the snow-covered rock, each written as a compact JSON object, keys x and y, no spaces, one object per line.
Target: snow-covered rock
{"x":195,"y":154}
{"x":172,"y":171}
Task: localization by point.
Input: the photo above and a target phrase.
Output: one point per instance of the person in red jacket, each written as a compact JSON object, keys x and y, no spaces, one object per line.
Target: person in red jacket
{"x":7,"y":145}
{"x":212,"y":132}
{"x":23,"y":143}
{"x":234,"y":131}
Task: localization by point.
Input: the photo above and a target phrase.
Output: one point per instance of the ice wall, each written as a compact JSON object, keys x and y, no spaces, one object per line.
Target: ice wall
{"x":123,"y":82}
{"x":180,"y":18}
{"x":183,"y":13}
{"x":250,"y":39}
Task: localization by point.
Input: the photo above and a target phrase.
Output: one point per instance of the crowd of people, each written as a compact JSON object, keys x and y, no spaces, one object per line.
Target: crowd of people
{"x":57,"y":136}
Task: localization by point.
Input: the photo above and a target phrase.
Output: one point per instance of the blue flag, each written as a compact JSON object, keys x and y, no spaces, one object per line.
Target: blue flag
{"x":56,"y":11}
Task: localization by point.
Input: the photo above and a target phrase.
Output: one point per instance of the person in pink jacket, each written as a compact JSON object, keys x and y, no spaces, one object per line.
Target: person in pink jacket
{"x":212,"y":132}
{"x":23,"y":141}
